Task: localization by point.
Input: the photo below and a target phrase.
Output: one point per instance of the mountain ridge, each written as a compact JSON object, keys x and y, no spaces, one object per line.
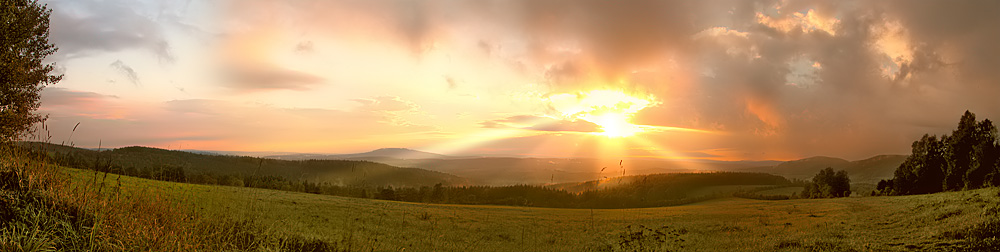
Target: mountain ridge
{"x":338,"y":172}
{"x":396,"y":153}
{"x":869,"y":170}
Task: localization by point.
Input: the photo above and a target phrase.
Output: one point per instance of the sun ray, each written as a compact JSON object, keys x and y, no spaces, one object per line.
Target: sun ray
{"x":472,"y":140}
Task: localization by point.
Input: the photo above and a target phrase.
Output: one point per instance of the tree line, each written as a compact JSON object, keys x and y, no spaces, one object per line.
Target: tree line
{"x":828,"y":184}
{"x":969,"y":158}
{"x":638,"y":191}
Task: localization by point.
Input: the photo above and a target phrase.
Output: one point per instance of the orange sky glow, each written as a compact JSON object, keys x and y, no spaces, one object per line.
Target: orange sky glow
{"x":719,"y":80}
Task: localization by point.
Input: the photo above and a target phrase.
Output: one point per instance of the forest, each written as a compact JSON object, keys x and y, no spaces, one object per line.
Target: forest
{"x":967,"y":159}
{"x":626,"y":192}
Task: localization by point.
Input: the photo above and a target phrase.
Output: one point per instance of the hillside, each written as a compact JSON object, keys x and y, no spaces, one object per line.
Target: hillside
{"x":383,"y":153}
{"x":869,"y":170}
{"x":337,"y":172}
{"x":677,"y":183}
{"x":950,"y":221}
{"x":510,"y":171}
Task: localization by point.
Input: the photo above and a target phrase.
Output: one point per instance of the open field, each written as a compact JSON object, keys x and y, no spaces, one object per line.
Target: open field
{"x":864,"y":223}
{"x":788,"y":191}
{"x":723,"y":190}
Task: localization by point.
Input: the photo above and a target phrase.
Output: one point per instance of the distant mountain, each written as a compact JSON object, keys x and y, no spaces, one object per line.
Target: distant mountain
{"x":875,"y":168}
{"x":384,"y":153}
{"x":869,"y":170}
{"x":338,"y":172}
{"x":807,"y":167}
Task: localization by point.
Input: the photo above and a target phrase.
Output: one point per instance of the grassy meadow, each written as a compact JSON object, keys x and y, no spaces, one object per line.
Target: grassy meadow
{"x":942,"y":221}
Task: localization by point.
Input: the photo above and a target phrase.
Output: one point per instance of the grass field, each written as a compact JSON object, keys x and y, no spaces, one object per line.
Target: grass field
{"x":722,"y":190}
{"x":782,"y":191}
{"x":864,"y":224}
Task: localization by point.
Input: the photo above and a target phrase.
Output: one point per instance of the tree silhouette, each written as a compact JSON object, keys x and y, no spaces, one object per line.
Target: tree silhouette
{"x":25,"y":44}
{"x":985,"y":154}
{"x":960,"y":154}
{"x":828,"y":184}
{"x":968,"y":159}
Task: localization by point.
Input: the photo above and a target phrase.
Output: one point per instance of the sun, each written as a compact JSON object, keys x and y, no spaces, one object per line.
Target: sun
{"x":611,"y":110}
{"x":614,"y":125}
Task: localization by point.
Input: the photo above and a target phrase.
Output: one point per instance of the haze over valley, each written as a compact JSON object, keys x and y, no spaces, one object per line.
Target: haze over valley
{"x":499,"y":125}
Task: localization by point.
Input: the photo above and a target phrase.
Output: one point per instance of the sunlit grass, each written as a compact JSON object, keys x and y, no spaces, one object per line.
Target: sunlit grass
{"x":863,"y":223}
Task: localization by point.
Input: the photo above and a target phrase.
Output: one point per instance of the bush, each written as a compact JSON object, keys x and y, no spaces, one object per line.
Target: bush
{"x":828,"y":184}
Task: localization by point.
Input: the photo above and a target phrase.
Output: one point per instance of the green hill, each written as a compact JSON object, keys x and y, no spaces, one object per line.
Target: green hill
{"x":336,"y":172}
{"x":498,"y":171}
{"x":677,"y":183}
{"x":966,"y":220}
{"x":869,"y":170}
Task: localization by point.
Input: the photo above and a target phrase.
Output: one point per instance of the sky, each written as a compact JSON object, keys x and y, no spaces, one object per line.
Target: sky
{"x":717,"y":79}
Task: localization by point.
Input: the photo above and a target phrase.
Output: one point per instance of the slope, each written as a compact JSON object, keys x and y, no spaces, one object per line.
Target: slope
{"x":945,"y":221}
{"x":383,"y":153}
{"x":509,"y":171}
{"x":869,"y":170}
{"x":338,"y":172}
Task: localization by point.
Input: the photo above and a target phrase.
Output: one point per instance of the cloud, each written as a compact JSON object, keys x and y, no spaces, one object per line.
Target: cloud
{"x":62,"y":97}
{"x":386,"y":104}
{"x":263,"y":77}
{"x":127,"y":71}
{"x":786,"y":78}
{"x":62,"y":101}
{"x":305,"y":47}
{"x":541,"y":123}
{"x":218,"y":124}
{"x":86,"y":27}
{"x":205,"y":107}
{"x":392,"y":110}
{"x":452,"y":83}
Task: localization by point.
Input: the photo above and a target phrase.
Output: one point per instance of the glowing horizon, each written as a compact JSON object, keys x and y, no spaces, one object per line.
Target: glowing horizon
{"x":594,"y":79}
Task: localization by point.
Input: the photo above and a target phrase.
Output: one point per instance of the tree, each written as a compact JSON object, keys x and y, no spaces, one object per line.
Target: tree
{"x":828,"y":184}
{"x":25,"y":29}
{"x":968,"y":159}
{"x":960,"y":154}
{"x":985,"y":155}
{"x":924,"y":170}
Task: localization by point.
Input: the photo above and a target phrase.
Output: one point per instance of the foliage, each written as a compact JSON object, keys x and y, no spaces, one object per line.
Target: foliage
{"x":967,"y":159}
{"x":25,"y":45}
{"x":828,"y":184}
